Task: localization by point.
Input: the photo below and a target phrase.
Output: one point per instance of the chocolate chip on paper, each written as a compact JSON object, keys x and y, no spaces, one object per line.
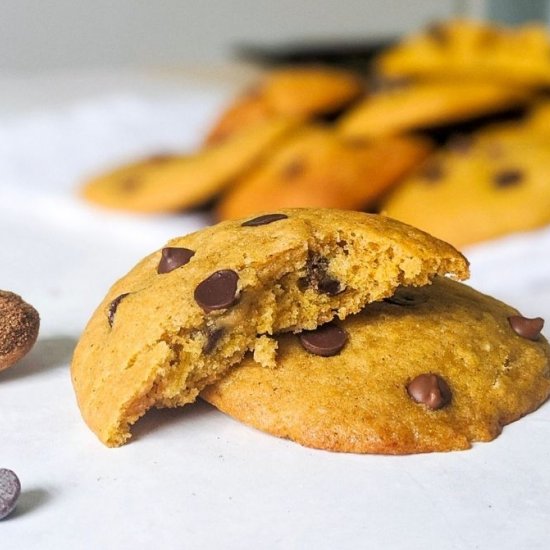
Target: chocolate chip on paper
{"x":10,"y":489}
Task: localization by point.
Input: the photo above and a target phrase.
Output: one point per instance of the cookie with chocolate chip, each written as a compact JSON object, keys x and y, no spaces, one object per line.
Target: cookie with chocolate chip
{"x":318,"y":168}
{"x":435,"y":369}
{"x":187,"y":313}
{"x":19,"y":324}
{"x":168,"y":183}
{"x":493,"y":183}
{"x":473,"y":50}
{"x":429,"y":105}
{"x":300,"y":92}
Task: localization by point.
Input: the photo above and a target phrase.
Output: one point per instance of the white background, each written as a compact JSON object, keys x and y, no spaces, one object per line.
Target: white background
{"x":193,"y":478}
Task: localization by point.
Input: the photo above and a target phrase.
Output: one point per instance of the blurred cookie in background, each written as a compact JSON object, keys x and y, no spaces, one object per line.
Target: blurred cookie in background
{"x":305,"y":92}
{"x":472,"y":49}
{"x":317,"y":167}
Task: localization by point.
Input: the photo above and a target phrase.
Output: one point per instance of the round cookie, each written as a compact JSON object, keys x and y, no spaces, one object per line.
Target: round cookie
{"x":168,"y":183}
{"x":19,"y":325}
{"x":318,"y":168}
{"x":479,"y":188}
{"x":299,"y":92}
{"x":433,"y":369}
{"x":473,"y":50}
{"x":186,"y":313}
{"x":432,"y":104}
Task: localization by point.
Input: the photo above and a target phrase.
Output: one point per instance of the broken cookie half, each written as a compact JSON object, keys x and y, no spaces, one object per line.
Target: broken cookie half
{"x":188,"y":312}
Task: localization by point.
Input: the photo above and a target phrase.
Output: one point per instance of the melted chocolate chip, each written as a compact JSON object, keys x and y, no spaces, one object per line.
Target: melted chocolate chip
{"x":113,"y":306}
{"x":507,"y":178}
{"x":317,"y":276}
{"x":213,"y":336}
{"x":10,"y":489}
{"x":432,"y":173}
{"x":172,"y":258}
{"x":430,"y":390}
{"x":326,"y":341}
{"x":264,"y":220}
{"x":406,"y":298}
{"x":525,"y":327}
{"x":219,"y":291}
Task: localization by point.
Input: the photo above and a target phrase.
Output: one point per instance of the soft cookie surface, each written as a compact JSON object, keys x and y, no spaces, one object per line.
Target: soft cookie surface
{"x":430,"y":369}
{"x":188,"y":312}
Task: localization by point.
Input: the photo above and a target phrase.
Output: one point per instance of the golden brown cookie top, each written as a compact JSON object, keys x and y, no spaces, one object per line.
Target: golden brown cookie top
{"x":19,"y":324}
{"x":429,"y":369}
{"x":473,"y":49}
{"x":480,"y":187}
{"x":188,"y":312}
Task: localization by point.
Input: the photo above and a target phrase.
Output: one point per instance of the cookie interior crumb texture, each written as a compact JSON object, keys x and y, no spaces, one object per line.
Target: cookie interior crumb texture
{"x":174,"y":333}
{"x":19,"y":324}
{"x":436,"y":369}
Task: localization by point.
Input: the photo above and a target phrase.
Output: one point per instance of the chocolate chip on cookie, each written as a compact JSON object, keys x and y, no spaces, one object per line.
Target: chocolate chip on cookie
{"x":326,"y":341}
{"x":433,"y":172}
{"x":507,"y":178}
{"x":430,"y":390}
{"x":113,"y":306}
{"x":219,"y":291}
{"x":19,"y":324}
{"x":173,"y":257}
{"x":264,"y":220}
{"x":406,"y":298}
{"x":525,"y":327}
{"x":10,"y":488}
{"x":317,"y":276}
{"x":212,"y":338}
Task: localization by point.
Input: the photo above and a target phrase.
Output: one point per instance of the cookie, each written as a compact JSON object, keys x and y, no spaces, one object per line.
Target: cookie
{"x":425,"y":105}
{"x":432,"y":369}
{"x":318,"y":168}
{"x":19,"y":325}
{"x":168,"y":183}
{"x":299,"y":92}
{"x":472,"y":50}
{"x":478,"y":188}
{"x":186,"y":313}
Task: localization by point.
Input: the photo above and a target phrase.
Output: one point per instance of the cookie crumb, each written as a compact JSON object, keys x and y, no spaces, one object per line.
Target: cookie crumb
{"x":265,"y":351}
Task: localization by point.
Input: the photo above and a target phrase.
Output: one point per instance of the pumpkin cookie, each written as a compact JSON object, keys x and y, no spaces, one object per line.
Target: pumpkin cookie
{"x":431,"y":369}
{"x":473,"y":49}
{"x":318,"y":168}
{"x":188,"y":312}
{"x":299,"y":92}
{"x":480,"y":187}
{"x":169,"y":183}
{"x":426,"y":105}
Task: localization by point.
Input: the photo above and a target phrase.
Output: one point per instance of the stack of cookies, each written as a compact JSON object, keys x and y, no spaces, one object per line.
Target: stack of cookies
{"x":328,"y":138}
{"x":339,"y":330}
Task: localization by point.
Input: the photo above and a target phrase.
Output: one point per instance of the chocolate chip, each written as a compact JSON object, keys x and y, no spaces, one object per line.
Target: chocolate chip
{"x":130,"y":183}
{"x":326,"y":341}
{"x":113,"y":306}
{"x":430,"y":390}
{"x":332,"y":287}
{"x":173,"y":257}
{"x":218,"y":291}
{"x":525,"y":327}
{"x":212,"y":338}
{"x":293,"y":169}
{"x":406,"y":298}
{"x":507,"y":178}
{"x":460,"y":144}
{"x":432,"y":173}
{"x":264,"y":220}
{"x":10,"y":488}
{"x":161,"y":158}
